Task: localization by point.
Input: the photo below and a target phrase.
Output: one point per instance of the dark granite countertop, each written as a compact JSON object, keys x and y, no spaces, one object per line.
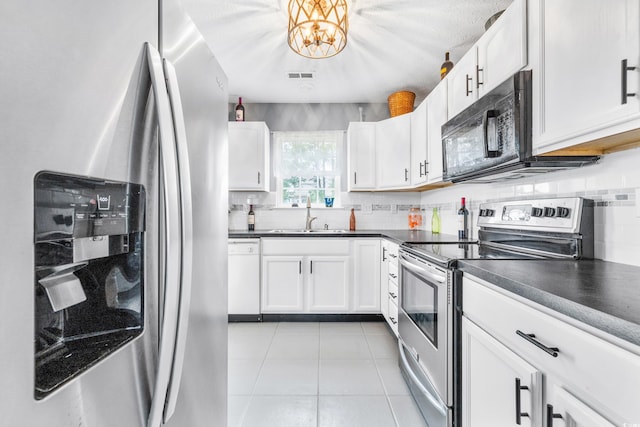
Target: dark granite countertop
{"x":398,"y":236}
{"x":602,"y":294}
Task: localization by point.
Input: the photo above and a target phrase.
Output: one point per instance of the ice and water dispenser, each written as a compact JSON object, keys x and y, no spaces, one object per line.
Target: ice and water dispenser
{"x":89,"y":278}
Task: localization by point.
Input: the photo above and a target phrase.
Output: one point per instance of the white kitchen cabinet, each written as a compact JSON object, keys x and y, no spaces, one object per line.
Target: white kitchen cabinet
{"x":366,"y":275}
{"x":461,"y":89}
{"x":590,"y":366}
{"x":389,"y":283}
{"x":282,"y":284}
{"x":499,"y":53}
{"x":328,"y":284}
{"x":248,"y":156}
{"x":577,"y":53}
{"x":393,"y":153}
{"x":436,"y":117}
{"x":564,"y":409}
{"x":361,"y":142}
{"x":384,"y":279}
{"x":419,"y":143}
{"x":497,"y":384}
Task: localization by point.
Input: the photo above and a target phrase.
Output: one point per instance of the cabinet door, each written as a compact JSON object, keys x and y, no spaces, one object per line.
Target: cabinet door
{"x":461,"y":83}
{"x":393,"y":148}
{"x":419,"y":158}
{"x":502,"y":50}
{"x":282,"y":284}
{"x":362,"y":156}
{"x":366,"y":276}
{"x":248,"y":156}
{"x":563,"y":409}
{"x":499,"y":388}
{"x":328,"y":284}
{"x":436,"y":117}
{"x":577,"y":73}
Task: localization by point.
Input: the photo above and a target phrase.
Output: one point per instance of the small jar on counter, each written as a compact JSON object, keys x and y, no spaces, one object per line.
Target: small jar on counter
{"x":415,"y":218}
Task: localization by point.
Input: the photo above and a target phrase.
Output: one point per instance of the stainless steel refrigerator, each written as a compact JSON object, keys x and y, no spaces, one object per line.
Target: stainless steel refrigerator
{"x":113,"y":161}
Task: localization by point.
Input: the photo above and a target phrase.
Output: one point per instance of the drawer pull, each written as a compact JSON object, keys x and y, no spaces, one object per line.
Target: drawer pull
{"x":393,"y":276}
{"x":551,"y":415}
{"x":393,"y":320}
{"x":394,"y":296}
{"x":553,"y":351}
{"x":519,"y":413}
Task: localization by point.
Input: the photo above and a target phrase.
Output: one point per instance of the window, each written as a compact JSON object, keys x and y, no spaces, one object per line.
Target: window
{"x":307,"y":164}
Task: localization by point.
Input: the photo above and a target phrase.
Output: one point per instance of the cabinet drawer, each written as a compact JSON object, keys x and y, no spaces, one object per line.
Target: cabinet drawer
{"x":302,"y":247}
{"x":393,"y":316}
{"x":601,"y":373}
{"x":393,"y":292}
{"x":393,"y":274}
{"x":393,"y":254}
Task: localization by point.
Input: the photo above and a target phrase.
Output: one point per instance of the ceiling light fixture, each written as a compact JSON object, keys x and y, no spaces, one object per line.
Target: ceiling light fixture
{"x":317,"y":28}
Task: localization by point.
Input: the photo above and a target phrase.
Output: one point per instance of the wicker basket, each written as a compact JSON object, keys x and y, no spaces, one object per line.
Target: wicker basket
{"x":401,"y":102}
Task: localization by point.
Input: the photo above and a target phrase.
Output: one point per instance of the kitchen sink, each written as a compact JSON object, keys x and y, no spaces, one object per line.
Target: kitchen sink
{"x":308,"y":231}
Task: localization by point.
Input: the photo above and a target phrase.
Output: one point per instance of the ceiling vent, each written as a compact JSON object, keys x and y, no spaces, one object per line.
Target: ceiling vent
{"x":301,"y":75}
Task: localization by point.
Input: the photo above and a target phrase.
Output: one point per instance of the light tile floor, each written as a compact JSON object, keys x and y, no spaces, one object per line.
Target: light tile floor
{"x":327,"y":374}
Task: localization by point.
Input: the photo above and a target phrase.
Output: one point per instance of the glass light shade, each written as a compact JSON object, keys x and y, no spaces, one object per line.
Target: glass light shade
{"x":317,"y":28}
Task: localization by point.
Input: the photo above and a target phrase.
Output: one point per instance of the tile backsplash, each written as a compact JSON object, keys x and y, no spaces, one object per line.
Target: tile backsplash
{"x":614,"y":184}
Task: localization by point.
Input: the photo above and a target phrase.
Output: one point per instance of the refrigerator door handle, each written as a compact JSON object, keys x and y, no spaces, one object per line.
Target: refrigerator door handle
{"x":171,"y":274}
{"x":184,"y":177}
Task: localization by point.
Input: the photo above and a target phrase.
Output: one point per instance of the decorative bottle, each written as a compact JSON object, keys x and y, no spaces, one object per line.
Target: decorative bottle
{"x":446,"y":66}
{"x":435,"y":221}
{"x":352,"y":221}
{"x":463,"y":221}
{"x":240,"y":111}
{"x":251,"y":219}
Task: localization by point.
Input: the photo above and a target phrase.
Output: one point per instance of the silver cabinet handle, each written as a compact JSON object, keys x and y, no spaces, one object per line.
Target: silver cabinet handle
{"x":393,"y":276}
{"x":184,"y":180}
{"x":258,"y":177}
{"x":478,"y":70}
{"x":172,"y":237}
{"x":469,"y":91}
{"x":392,"y":295}
{"x":406,"y":174}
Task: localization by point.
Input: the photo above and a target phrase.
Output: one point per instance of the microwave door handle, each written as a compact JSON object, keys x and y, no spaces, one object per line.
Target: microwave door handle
{"x":184,"y":180}
{"x":490,"y":115}
{"x":172,"y":240}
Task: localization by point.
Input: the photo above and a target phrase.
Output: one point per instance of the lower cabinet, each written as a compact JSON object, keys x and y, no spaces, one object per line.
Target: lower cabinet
{"x":524,"y":364}
{"x":320,"y":275}
{"x":499,"y":388}
{"x":389,"y":283}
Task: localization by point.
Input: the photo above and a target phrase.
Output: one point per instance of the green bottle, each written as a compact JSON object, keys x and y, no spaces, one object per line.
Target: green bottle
{"x":435,"y":221}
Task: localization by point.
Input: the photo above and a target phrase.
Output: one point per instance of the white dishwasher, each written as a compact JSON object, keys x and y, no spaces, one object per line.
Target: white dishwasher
{"x":244,"y":279}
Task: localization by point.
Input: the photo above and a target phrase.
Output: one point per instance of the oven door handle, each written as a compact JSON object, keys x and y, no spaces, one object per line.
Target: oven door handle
{"x":423,"y":271}
{"x":431,"y":396}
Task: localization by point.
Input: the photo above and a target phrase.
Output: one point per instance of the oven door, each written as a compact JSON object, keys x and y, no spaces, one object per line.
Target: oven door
{"x":425,"y":323}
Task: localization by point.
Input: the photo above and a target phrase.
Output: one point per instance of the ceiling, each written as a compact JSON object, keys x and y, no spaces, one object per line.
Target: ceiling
{"x":391,"y":45}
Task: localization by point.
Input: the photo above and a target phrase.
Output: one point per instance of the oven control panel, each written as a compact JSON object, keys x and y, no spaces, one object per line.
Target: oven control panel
{"x":560,"y":214}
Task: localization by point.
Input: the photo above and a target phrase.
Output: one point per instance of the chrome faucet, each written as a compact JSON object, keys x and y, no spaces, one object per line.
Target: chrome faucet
{"x":310,"y":218}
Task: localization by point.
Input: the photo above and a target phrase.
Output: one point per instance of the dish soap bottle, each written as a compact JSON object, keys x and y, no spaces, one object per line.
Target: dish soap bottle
{"x":435,"y":221}
{"x":352,"y":221}
{"x":251,"y":219}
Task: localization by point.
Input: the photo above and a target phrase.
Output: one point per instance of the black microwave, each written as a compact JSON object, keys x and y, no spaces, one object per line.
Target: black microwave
{"x":491,"y":140}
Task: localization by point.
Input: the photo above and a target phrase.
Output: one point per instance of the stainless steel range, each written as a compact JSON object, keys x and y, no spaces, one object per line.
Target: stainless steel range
{"x":430,"y":300}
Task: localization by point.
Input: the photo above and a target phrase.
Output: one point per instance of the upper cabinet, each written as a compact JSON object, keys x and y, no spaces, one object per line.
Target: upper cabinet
{"x":393,"y":149}
{"x":248,"y":156}
{"x":361,"y":140}
{"x":419,"y":143}
{"x":436,"y":117}
{"x":498,"y":54}
{"x":585,"y":57}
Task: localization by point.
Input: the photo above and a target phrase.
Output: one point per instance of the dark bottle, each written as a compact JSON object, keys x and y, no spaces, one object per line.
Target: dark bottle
{"x":251,"y":219}
{"x":446,"y":66}
{"x":463,"y":221}
{"x":240,"y":111}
